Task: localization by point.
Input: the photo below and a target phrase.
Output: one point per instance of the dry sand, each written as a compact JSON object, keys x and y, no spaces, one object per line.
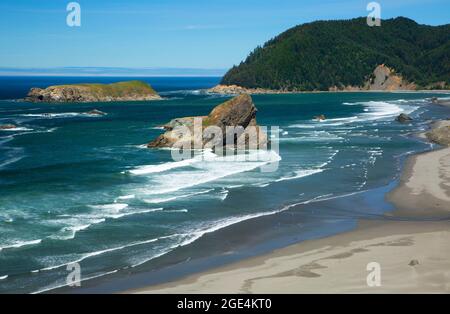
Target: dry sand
{"x":418,"y":233}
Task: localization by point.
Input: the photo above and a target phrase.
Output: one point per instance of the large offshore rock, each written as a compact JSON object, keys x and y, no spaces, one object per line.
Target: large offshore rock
{"x":235,"y":119}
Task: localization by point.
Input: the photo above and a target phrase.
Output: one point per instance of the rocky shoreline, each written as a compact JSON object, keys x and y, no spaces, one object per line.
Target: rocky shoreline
{"x":237,"y":90}
{"x":383,"y":79}
{"x":439,"y":133}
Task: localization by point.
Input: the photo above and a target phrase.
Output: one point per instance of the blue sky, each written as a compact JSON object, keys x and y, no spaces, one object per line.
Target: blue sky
{"x":207,"y":34}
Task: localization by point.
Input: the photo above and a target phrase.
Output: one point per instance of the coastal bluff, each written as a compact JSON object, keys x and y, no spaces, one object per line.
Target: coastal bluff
{"x":120,"y":91}
{"x":237,"y":115}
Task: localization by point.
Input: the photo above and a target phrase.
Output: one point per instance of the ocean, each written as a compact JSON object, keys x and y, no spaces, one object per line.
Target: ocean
{"x":76,"y":188}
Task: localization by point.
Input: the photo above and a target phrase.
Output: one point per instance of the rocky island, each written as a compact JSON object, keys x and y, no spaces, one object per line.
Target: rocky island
{"x":121,"y":91}
{"x":236,"y":115}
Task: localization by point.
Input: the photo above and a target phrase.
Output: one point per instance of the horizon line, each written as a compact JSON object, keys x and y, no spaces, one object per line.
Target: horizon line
{"x":112,"y":72}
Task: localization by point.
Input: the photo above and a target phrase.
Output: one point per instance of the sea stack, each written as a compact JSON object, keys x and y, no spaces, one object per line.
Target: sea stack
{"x":403,"y":118}
{"x":236,"y":119}
{"x":121,"y":91}
{"x":320,"y":118}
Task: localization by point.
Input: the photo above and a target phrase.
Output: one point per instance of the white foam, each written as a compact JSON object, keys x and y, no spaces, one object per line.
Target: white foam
{"x":384,"y":110}
{"x":20,"y":244}
{"x":169,"y":199}
{"x":226,"y":222}
{"x":57,"y":115}
{"x":209,"y":170}
{"x":373,"y":110}
{"x":101,"y":252}
{"x":223,"y":195}
{"x":126,"y":197}
{"x":220,"y":224}
{"x":207,"y":227}
{"x":3,"y":277}
{"x":142,"y":170}
{"x":302,"y":126}
{"x":84,"y":221}
{"x":53,"y":287}
{"x":113,"y":207}
{"x":16,"y":129}
{"x":74,"y":225}
{"x":144,"y":211}
{"x":176,"y":211}
{"x":149,"y":169}
{"x":300,"y":174}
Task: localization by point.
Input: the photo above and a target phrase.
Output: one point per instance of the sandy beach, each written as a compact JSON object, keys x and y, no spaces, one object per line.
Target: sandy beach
{"x":425,"y":185}
{"x":411,"y":247}
{"x":339,"y":264}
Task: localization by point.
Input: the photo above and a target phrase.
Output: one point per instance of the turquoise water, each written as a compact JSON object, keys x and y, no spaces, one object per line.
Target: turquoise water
{"x":78,"y":188}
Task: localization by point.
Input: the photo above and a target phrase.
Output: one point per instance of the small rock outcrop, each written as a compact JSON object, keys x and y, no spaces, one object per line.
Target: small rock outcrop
{"x":445,"y":102}
{"x":121,"y":91}
{"x":413,"y":263}
{"x":403,"y":118}
{"x":236,"y":119}
{"x":320,"y":117}
{"x":7,"y":126}
{"x":440,"y":133}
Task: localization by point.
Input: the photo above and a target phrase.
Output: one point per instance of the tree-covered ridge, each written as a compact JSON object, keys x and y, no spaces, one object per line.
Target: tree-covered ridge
{"x":323,"y":54}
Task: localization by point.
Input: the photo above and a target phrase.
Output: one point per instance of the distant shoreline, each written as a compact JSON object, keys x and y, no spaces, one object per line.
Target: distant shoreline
{"x":235,"y":90}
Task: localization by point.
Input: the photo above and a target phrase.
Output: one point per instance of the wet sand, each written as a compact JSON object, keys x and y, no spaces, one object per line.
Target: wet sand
{"x":412,"y":248}
{"x":339,"y":264}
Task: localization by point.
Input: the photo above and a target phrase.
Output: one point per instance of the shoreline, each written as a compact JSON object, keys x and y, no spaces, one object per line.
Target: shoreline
{"x":411,"y":248}
{"x":171,"y":279}
{"x":336,"y":264}
{"x":236,"y":90}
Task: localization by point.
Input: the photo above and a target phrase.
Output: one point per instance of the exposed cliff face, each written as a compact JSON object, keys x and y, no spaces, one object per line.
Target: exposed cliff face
{"x":122,"y":91}
{"x":236,"y":120}
{"x":385,"y":79}
{"x":382,"y":78}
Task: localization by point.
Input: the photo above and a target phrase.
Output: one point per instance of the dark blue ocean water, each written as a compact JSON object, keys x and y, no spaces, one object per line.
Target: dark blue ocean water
{"x":79,"y":188}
